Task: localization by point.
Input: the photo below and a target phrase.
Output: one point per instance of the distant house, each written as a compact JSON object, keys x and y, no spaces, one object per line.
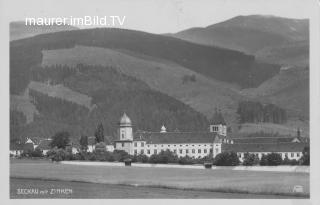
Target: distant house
{"x":285,"y":149}
{"x":73,"y":147}
{"x":92,"y":144}
{"x":16,"y":149}
{"x":22,"y":145}
{"x":44,"y":145}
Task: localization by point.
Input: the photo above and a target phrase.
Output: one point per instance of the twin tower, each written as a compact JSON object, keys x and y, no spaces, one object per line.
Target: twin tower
{"x":217,"y":125}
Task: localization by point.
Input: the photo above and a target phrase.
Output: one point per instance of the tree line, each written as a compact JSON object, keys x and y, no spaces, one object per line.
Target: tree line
{"x":256,"y":112}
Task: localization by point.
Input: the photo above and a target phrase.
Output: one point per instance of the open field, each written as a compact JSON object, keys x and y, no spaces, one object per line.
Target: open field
{"x":108,"y":191}
{"x":226,"y":181}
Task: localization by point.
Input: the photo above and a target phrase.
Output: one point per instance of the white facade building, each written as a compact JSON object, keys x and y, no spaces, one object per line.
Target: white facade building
{"x":201,"y":144}
{"x":192,"y":144}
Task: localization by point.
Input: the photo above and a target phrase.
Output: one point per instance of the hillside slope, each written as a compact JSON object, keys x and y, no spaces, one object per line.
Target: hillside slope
{"x":257,"y":34}
{"x":204,"y":94}
{"x":156,"y":79}
{"x":18,"y":29}
{"x":112,"y":93}
{"x":220,"y":64}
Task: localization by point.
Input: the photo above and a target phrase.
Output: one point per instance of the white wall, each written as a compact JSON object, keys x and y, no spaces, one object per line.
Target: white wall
{"x":291,"y":155}
{"x":191,"y":150}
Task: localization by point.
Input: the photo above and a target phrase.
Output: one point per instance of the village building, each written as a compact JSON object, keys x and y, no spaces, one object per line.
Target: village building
{"x":92,"y":144}
{"x":44,"y":146}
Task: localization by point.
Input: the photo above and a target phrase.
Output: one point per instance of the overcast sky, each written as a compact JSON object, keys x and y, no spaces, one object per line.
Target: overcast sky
{"x":157,"y":16}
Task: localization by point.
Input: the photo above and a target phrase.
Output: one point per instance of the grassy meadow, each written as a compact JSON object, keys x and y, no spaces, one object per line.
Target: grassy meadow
{"x":222,"y":180}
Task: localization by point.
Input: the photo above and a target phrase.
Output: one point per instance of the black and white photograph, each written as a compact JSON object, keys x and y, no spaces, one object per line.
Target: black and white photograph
{"x":151,"y":99}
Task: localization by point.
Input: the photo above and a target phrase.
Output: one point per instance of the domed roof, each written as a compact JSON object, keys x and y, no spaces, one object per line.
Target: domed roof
{"x":163,"y":129}
{"x":125,"y":120}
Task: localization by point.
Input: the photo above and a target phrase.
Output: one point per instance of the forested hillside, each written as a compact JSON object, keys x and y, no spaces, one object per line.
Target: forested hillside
{"x":222,"y":64}
{"x":256,"y":112}
{"x":112,"y":93}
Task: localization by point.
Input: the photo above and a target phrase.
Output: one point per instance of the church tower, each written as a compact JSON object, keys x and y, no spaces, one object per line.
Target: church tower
{"x":218,"y":124}
{"x":125,"y":128}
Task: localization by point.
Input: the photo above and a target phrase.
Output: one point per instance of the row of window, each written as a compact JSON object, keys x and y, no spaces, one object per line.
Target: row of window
{"x":135,"y":144}
{"x":292,"y":154}
{"x":180,"y":151}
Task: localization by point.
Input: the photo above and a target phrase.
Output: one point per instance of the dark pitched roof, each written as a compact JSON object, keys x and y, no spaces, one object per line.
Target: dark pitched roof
{"x":44,"y":144}
{"x":255,"y":140}
{"x":92,"y":140}
{"x":176,"y":137}
{"x":28,"y":146}
{"x":267,"y":147}
{"x":16,"y":146}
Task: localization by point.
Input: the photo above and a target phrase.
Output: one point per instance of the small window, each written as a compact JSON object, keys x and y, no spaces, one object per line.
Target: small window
{"x":211,"y":150}
{"x":122,"y":144}
{"x":162,"y":145}
{"x":155,"y":151}
{"x":205,"y":150}
{"x":122,"y":135}
{"x":199,"y":151}
{"x":187,"y":151}
{"x":148,"y":151}
{"x":135,"y":152}
{"x":174,"y":145}
{"x":142,"y":144}
{"x":155,"y":145}
{"x":142,"y":151}
{"x":292,"y":154}
{"x":135,"y":144}
{"x":180,"y":151}
{"x":298,"y":154}
{"x":186,"y":145}
{"x":168,"y":145}
{"x":193,"y":151}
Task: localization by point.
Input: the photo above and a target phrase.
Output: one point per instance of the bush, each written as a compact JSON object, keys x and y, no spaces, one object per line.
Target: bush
{"x":188,"y":78}
{"x":140,"y":158}
{"x":250,"y":159}
{"x":58,"y":155}
{"x":274,"y":159}
{"x":36,"y":153}
{"x":164,"y":157}
{"x":186,"y":160}
{"x":92,"y":157}
{"x":287,"y":161}
{"x":120,"y":155}
{"x":263,"y":160}
{"x":305,"y":159}
{"x":226,"y":159}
